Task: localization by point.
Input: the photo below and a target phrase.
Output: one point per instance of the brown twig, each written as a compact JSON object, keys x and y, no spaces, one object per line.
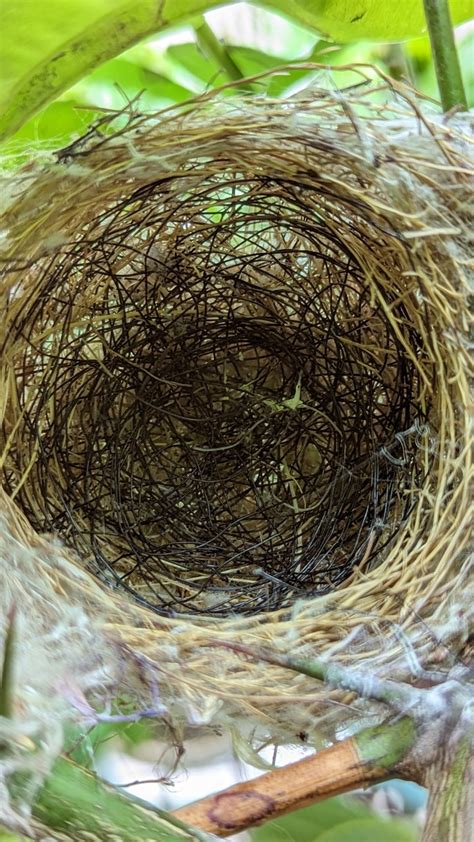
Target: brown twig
{"x":330,"y":772}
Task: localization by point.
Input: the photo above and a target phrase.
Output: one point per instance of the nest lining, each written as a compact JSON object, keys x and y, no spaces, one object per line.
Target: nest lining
{"x":235,"y":382}
{"x":223,"y":415}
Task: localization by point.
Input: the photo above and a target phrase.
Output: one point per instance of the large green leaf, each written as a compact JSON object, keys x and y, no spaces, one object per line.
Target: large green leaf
{"x":47,"y":45}
{"x":76,"y":803}
{"x":119,"y":80}
{"x":55,"y":126}
{"x":355,"y":20}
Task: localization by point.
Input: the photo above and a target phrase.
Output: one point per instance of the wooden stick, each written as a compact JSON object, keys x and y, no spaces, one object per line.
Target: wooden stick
{"x":359,"y":761}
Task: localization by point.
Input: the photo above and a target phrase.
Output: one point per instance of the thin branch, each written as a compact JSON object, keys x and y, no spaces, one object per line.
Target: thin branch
{"x":399,"y":697}
{"x":360,"y":761}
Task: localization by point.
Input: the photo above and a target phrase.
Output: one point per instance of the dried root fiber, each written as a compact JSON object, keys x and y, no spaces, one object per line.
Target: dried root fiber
{"x":234,"y":376}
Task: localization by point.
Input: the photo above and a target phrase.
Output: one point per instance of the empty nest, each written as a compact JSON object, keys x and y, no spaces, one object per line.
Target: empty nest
{"x":235,"y":378}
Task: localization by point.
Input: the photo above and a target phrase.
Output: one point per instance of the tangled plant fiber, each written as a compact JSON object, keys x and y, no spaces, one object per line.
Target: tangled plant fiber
{"x":225,"y":417}
{"x":235,"y":384}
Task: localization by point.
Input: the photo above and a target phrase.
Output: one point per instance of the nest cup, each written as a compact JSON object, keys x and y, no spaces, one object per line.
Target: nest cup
{"x":235,"y":384}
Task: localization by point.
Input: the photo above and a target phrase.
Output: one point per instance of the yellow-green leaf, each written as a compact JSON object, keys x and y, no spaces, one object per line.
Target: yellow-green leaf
{"x":48,"y":45}
{"x":355,"y":20}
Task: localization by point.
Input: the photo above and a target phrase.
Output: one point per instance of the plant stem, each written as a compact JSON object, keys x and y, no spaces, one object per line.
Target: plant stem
{"x":398,"y":63}
{"x":6,"y":677}
{"x":445,"y":57}
{"x":214,"y":49}
{"x":396,"y":695}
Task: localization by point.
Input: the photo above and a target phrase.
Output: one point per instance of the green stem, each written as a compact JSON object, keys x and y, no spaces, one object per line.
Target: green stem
{"x":398,"y":62}
{"x":214,"y":49}
{"x":387,"y":745}
{"x":394,"y":694}
{"x":6,"y":678}
{"x":443,"y":48}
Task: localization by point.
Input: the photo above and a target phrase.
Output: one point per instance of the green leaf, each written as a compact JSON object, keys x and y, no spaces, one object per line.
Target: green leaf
{"x":57,"y":125}
{"x":190,"y":57}
{"x":466,"y":52}
{"x":306,"y":824}
{"x":355,"y":20}
{"x":119,"y":80}
{"x":370,"y":830}
{"x":48,"y":45}
{"x":252,"y":61}
{"x":83,"y":748}
{"x":78,"y":804}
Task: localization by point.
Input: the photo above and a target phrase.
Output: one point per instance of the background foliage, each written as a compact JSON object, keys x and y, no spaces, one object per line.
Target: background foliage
{"x":208,"y":50}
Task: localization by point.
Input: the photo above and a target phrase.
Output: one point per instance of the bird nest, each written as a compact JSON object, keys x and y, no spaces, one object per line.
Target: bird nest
{"x":235,"y":378}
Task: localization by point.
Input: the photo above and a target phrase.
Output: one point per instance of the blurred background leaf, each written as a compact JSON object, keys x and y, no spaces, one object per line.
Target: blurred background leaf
{"x":307,"y":824}
{"x":336,"y":820}
{"x":172,"y":66}
{"x":370,"y":830}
